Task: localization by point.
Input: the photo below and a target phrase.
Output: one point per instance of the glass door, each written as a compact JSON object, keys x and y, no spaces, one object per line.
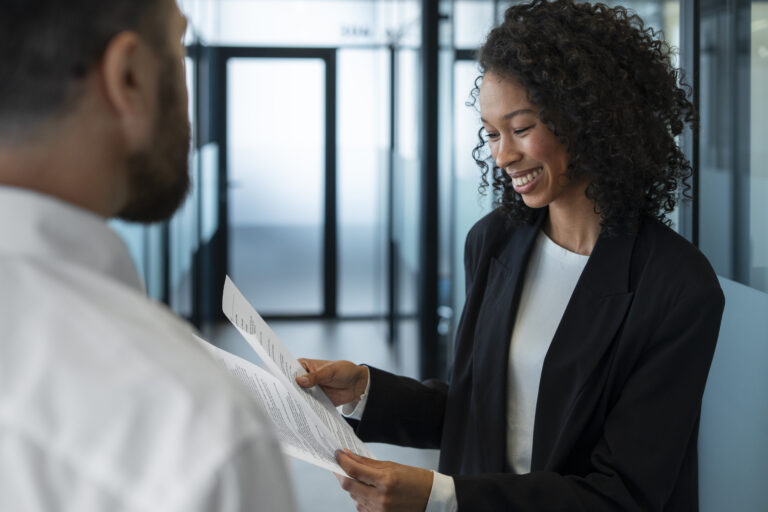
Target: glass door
{"x":277,"y":183}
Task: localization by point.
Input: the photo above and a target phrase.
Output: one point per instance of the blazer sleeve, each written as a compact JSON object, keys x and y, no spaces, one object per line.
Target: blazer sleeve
{"x":650,"y":427}
{"x":403,"y":411}
{"x":407,"y":412}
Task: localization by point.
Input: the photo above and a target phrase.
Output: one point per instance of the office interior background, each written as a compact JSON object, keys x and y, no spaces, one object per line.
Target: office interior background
{"x":333,"y":181}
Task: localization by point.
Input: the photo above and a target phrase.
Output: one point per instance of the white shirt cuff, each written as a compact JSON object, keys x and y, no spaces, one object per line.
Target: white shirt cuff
{"x":354,"y":410}
{"x":442,"y":498}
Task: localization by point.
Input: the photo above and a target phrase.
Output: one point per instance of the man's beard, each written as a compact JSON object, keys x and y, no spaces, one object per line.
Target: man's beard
{"x":158,"y":177}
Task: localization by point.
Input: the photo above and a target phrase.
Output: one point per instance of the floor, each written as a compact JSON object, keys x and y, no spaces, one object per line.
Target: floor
{"x":317,"y":490}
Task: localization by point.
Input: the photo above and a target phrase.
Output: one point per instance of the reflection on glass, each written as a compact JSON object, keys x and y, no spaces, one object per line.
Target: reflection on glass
{"x":472,"y":20}
{"x":182,"y":229}
{"x":470,"y":205}
{"x":733,"y":187}
{"x":363,"y":135}
{"x":407,"y":181}
{"x":758,"y":164}
{"x":302,"y":23}
{"x":276,"y":165}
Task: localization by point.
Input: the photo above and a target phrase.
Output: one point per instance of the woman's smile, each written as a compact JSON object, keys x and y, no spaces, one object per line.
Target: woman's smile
{"x":524,"y":182}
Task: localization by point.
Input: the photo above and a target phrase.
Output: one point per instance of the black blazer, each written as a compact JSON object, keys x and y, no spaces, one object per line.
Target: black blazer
{"x":620,"y":392}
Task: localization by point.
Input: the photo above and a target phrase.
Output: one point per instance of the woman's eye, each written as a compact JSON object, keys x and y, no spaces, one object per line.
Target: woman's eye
{"x":492,"y":135}
{"x":521,"y":131}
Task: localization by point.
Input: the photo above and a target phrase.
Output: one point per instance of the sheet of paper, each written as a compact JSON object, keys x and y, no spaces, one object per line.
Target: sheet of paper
{"x":283,"y":365}
{"x":300,"y":433}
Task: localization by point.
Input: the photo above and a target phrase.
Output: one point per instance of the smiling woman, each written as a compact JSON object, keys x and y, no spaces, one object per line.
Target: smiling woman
{"x":589,"y":325}
{"x":534,"y":159}
{"x":603,"y":83}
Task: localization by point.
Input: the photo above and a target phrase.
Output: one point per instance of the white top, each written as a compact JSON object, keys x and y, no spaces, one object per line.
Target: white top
{"x":550,"y":279}
{"x":549,"y":283}
{"x":106,"y":402}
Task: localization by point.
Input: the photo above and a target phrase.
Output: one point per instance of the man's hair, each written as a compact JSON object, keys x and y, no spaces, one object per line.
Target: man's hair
{"x":48,"y":46}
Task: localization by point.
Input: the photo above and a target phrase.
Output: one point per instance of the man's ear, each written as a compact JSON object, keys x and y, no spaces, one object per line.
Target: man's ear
{"x":129,"y":78}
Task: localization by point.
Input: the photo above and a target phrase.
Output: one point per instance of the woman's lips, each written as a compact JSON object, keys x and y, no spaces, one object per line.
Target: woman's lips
{"x":527,"y":182}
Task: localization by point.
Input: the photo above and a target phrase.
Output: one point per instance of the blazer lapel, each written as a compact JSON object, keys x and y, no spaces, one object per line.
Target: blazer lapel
{"x":491,"y":344}
{"x":589,"y":324}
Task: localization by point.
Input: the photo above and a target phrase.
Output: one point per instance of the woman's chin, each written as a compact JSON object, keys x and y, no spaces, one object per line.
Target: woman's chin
{"x":532,"y":201}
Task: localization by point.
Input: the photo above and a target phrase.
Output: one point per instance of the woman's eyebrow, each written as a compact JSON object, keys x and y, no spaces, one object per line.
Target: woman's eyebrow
{"x":513,"y":114}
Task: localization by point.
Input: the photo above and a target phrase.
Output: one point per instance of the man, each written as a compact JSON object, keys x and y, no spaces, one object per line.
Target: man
{"x":106,"y":401}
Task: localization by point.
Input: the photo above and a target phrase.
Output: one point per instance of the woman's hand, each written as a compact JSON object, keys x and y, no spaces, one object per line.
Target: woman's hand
{"x":342,"y":381}
{"x":384,"y":486}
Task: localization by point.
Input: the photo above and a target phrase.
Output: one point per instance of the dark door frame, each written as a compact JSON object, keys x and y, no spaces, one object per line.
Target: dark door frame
{"x":330,"y":235}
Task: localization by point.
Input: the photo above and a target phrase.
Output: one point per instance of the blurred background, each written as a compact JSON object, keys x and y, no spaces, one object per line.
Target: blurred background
{"x":333,"y":181}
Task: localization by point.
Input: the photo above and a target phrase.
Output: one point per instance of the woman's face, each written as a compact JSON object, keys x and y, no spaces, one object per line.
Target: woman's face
{"x":522,"y":145}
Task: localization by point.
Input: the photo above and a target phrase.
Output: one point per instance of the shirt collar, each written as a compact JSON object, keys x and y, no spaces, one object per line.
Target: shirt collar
{"x":37,"y":225}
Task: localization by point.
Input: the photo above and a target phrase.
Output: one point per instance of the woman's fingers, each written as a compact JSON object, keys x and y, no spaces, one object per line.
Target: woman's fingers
{"x":383,"y":485}
{"x":342,"y":381}
{"x":363,"y":494}
{"x":373,"y":463}
{"x":323,"y":376}
{"x":358,"y":470}
{"x":312,"y":364}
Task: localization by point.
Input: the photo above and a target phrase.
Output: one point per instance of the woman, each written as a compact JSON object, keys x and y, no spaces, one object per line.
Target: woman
{"x":589,"y":325}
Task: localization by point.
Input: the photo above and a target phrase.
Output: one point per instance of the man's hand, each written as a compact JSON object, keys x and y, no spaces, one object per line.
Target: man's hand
{"x":384,"y":486}
{"x":342,"y":381}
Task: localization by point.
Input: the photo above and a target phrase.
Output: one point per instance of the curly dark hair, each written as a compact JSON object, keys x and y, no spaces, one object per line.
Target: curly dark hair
{"x":606,"y":87}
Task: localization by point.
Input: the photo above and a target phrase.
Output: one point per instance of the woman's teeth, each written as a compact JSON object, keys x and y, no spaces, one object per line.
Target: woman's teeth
{"x":524,"y":180}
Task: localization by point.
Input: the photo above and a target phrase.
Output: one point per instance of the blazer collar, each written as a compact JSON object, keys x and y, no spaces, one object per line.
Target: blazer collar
{"x":593,"y":316}
{"x":606,"y":272}
{"x":590,"y":324}
{"x":491,"y":336}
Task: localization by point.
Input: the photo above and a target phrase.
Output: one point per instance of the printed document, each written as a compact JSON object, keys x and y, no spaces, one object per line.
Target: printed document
{"x":307,"y":424}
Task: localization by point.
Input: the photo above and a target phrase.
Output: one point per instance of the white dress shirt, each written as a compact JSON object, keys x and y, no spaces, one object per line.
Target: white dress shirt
{"x":106,"y":401}
{"x":550,"y":279}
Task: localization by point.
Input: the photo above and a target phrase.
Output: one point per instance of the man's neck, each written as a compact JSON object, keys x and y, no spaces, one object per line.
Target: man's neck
{"x":69,"y":166}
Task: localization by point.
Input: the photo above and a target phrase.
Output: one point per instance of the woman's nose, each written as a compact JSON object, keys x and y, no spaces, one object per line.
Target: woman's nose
{"x":507,"y":153}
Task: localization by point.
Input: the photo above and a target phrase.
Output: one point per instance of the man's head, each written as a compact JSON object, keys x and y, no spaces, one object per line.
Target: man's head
{"x":110,"y":72}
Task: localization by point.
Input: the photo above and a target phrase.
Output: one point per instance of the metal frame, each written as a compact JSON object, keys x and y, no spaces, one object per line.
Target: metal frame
{"x":430,"y":355}
{"x":392,"y":249}
{"x":740,"y":12}
{"x":210,"y":263}
{"x":195,"y":52}
{"x":330,"y":235}
{"x":690,"y":52}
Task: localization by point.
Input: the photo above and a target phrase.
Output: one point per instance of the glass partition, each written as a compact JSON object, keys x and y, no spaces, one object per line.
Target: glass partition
{"x":301,"y":23}
{"x":733,"y":187}
{"x":363,"y":157}
{"x":276,"y":172}
{"x":183,"y":230}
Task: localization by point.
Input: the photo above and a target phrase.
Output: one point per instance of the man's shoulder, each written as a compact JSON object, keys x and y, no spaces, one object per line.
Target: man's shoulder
{"x":121,"y":378}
